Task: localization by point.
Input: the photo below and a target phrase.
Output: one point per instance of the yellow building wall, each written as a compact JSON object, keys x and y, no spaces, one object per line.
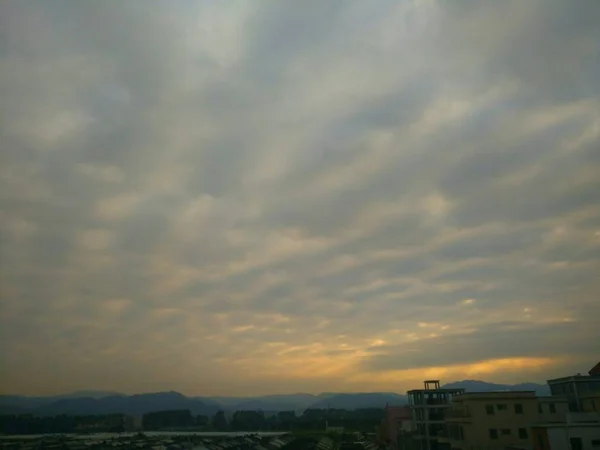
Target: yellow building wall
{"x":505,"y":420}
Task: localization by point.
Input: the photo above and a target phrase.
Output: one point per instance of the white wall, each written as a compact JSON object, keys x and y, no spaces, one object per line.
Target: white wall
{"x":559,"y":437}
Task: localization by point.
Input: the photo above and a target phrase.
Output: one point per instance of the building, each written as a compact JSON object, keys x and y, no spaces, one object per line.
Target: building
{"x":580,"y":431}
{"x":497,"y":420}
{"x":576,"y":386}
{"x":595,"y":371}
{"x":552,"y":408}
{"x":397,"y":424}
{"x":590,"y":402}
{"x":428,"y":407}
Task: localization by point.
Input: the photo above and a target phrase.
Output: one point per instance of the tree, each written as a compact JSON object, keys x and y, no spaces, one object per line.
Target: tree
{"x":202,"y":420}
{"x":219,"y":421}
{"x":167,"y":419}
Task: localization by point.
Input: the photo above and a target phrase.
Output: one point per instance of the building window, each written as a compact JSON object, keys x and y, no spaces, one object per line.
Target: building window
{"x":576,"y":444}
{"x":489,"y":409}
{"x":540,"y":409}
{"x":593,"y":405}
{"x":501,"y":407}
{"x":523,"y":433}
{"x":596,"y":443}
{"x":518,"y":408}
{"x":493,"y":433}
{"x":505,"y":432}
{"x":552,"y":408}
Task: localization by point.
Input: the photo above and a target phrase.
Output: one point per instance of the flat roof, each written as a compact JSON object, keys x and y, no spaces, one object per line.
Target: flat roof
{"x":496,"y":395}
{"x":578,"y":377}
{"x":553,"y":398}
{"x":440,"y":390}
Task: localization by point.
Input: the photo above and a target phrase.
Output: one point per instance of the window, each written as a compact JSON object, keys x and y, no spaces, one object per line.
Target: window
{"x":523,"y":433}
{"x":501,"y":407}
{"x":576,"y":444}
{"x":596,"y":443}
{"x":505,"y":432}
{"x":489,"y":409}
{"x":518,"y":408}
{"x":540,"y":409}
{"x":493,"y":433}
{"x":552,"y":408}
{"x":593,"y":405}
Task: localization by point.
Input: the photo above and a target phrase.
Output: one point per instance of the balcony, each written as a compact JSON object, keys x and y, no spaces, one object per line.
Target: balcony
{"x":583,"y":417}
{"x":448,"y":437}
{"x":457,"y":414}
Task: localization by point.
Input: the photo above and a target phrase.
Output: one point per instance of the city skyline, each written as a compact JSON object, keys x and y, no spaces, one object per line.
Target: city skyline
{"x":236,"y":198}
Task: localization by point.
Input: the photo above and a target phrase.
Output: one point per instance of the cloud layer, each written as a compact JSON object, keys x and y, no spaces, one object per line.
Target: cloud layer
{"x":339,"y":195}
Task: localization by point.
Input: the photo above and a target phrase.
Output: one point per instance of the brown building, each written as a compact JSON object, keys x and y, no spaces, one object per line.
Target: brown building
{"x":396,"y":425}
{"x":497,"y":420}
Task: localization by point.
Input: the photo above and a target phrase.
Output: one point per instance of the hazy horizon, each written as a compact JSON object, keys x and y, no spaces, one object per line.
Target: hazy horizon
{"x":290,"y":393}
{"x":238,"y":197}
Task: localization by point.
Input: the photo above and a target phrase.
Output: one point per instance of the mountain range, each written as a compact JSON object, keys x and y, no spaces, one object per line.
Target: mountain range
{"x":100,"y":402}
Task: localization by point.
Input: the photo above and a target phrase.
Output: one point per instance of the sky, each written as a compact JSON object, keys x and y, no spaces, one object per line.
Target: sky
{"x":246,"y":197}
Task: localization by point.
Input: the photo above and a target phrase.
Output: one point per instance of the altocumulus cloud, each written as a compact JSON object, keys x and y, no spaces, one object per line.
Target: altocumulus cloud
{"x":319,"y":195}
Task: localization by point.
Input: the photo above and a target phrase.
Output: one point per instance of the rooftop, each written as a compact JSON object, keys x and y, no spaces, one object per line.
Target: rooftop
{"x":552,"y":398}
{"x":578,"y":377}
{"x":494,"y":395}
{"x":440,"y":390}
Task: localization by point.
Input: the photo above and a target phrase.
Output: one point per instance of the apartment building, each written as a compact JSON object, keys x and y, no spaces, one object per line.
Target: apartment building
{"x":576,"y":387}
{"x":552,"y":409}
{"x":579,"y":431}
{"x":396,"y":425}
{"x":498,"y":420}
{"x":590,"y":402}
{"x":428,"y":407}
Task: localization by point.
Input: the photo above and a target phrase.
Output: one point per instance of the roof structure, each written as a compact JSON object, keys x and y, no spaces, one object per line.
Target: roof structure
{"x":595,"y":371}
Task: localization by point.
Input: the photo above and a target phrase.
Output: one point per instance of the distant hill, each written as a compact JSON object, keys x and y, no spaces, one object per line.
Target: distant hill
{"x":362,"y":400}
{"x":483,"y":386}
{"x":91,"y":394}
{"x":18,"y":402}
{"x":100,"y":402}
{"x":6,"y":408}
{"x":289,"y":402}
{"x":123,"y":404}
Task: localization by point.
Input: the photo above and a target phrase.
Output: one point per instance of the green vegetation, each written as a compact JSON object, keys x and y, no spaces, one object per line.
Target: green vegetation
{"x":309,"y":424}
{"x":28,"y":424}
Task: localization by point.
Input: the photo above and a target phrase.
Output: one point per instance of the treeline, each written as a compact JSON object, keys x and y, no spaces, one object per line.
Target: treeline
{"x":239,"y":421}
{"x":29,"y":424}
{"x":311,"y":420}
{"x":168,"y":419}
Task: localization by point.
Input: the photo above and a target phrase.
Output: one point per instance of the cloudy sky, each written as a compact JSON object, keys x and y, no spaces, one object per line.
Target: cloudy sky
{"x":251,"y":197}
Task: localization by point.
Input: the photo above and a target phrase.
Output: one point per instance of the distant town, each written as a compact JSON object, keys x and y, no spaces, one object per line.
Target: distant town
{"x":563,"y":415}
